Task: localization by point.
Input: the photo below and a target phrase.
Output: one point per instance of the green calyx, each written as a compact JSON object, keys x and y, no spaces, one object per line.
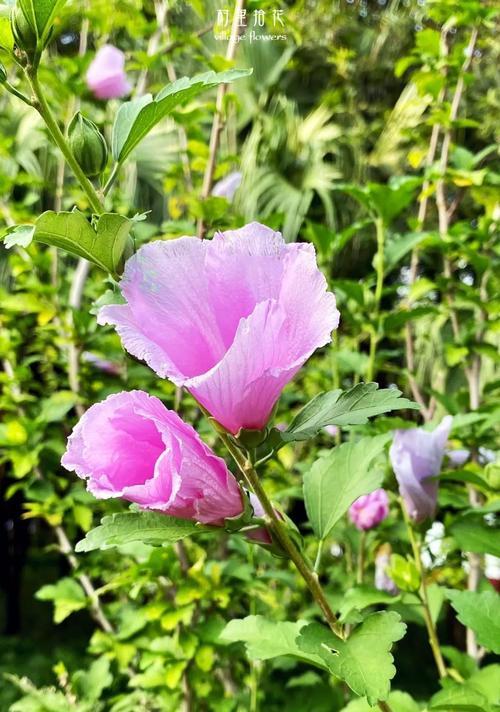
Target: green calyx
{"x":88,"y":145}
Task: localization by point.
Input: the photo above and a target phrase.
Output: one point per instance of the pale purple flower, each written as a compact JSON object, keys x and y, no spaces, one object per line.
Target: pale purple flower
{"x":106,"y":77}
{"x":458,"y":457}
{"x":230,"y":319}
{"x":383,"y":581}
{"x":131,"y":446}
{"x":416,"y":455}
{"x":331,"y":430}
{"x":369,"y":509}
{"x":101,"y":364}
{"x":227,"y":186}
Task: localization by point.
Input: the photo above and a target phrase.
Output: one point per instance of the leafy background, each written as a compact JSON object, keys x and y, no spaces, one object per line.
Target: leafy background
{"x":332,"y":132}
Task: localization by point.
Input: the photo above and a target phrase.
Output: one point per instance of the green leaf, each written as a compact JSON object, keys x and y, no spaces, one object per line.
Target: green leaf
{"x":459,"y":698}
{"x":67,"y":596}
{"x":337,"y":479}
{"x":364,"y":660}
{"x":90,"y":683}
{"x":107,"y":246}
{"x":136,"y":118}
{"x":362,"y":597}
{"x":397,"y":701}
{"x":148,"y":527}
{"x":352,"y":407}
{"x":6,"y":36}
{"x":481,"y":613}
{"x":40,"y":15}
{"x":479,"y":693}
{"x":265,"y":639}
{"x":18,"y":236}
{"x":400,"y":245}
{"x":473,"y":533}
{"x":57,"y":405}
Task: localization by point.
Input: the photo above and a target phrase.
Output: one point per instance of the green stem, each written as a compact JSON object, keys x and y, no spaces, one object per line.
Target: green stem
{"x":361,"y":558}
{"x":384,"y":707}
{"x":319,"y":552}
{"x":41,"y":105}
{"x":424,"y":599}
{"x":112,"y":177}
{"x":280,"y":531}
{"x":17,"y":93}
{"x":379,"y":268}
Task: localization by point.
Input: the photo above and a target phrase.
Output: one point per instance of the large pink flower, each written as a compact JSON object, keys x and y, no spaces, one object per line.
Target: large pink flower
{"x":106,"y":76}
{"x":231,"y":319}
{"x":131,"y":446}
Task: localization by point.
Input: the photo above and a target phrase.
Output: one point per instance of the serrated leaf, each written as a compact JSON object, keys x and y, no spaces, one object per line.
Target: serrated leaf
{"x":136,"y":118}
{"x":364,"y":660}
{"x":337,"y":479}
{"x":265,"y":639}
{"x":18,"y":236}
{"x":106,"y":246}
{"x":147,"y":527}
{"x":352,"y":407}
{"x":481,"y":613}
{"x":473,"y":533}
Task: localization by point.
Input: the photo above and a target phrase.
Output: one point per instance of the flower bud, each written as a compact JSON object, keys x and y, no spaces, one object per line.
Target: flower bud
{"x":24,"y":33}
{"x":88,"y":145}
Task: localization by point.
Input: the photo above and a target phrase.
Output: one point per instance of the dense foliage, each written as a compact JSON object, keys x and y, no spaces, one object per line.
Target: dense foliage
{"x":367,"y":130}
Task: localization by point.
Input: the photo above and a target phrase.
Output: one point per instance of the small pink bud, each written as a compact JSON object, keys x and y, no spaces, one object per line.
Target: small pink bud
{"x":369,"y":510}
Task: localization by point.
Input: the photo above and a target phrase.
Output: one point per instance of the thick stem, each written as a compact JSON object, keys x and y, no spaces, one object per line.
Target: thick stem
{"x":424,"y":599}
{"x":41,"y":105}
{"x":280,"y":531}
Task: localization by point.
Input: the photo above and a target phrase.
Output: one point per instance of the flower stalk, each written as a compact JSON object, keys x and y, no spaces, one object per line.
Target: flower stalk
{"x":41,"y":105}
{"x":280,"y":531}
{"x":423,"y":596}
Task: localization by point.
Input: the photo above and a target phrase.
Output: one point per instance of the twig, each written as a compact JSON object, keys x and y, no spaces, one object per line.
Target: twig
{"x":427,"y":410}
{"x":472,"y":372}
{"x":218,"y":123}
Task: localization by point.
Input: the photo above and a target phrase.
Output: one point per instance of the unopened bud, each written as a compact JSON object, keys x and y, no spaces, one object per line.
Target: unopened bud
{"x":88,"y":145}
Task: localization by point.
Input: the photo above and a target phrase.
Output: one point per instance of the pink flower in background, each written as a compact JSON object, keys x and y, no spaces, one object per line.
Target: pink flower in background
{"x":131,"y":446}
{"x":369,"y":509}
{"x":382,"y":580}
{"x":416,"y":455}
{"x":231,"y":319}
{"x":227,"y":186}
{"x":106,"y":76}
